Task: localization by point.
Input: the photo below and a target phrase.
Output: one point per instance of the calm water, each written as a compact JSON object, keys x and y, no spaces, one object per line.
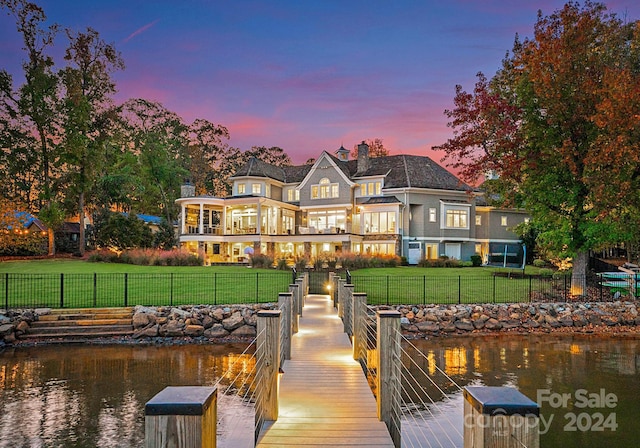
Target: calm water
{"x":76,"y":396}
{"x":583,"y":369}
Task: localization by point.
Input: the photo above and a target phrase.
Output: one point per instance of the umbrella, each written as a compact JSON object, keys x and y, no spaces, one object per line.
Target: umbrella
{"x":248,"y":250}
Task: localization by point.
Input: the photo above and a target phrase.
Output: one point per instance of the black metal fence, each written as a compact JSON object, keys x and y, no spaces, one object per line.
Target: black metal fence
{"x":128,"y":289}
{"x":401,"y":290}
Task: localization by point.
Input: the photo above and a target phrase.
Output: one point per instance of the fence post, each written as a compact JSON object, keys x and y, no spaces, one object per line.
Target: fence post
{"x":347,"y":301}
{"x":284,"y":304}
{"x":530,"y":288}
{"x":459,"y":289}
{"x":61,"y":290}
{"x":171,"y":291}
{"x":267,"y":360}
{"x":257,"y":287}
{"x":215,"y":288}
{"x":182,"y":417}
{"x":494,"y":287}
{"x":295,"y":306}
{"x":424,"y":289}
{"x":500,"y":417}
{"x":388,"y":385}
{"x":301,"y":291}
{"x":6,"y":291}
{"x":126,"y":289}
{"x":388,"y":290}
{"x":359,"y":325}
{"x":95,"y":290}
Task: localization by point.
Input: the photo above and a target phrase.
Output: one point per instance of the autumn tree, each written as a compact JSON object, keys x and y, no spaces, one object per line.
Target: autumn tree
{"x":376,"y":148}
{"x":273,"y":155}
{"x":547,"y":123}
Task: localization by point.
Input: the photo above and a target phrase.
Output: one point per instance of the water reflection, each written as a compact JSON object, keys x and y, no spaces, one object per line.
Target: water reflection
{"x":78,"y":396}
{"x":560,"y":364}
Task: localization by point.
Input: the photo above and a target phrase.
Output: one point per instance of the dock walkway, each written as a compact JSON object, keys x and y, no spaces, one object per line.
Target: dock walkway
{"x":325,"y":400}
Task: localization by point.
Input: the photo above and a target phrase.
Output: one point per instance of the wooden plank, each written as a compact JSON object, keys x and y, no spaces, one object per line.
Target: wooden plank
{"x":325,"y":399}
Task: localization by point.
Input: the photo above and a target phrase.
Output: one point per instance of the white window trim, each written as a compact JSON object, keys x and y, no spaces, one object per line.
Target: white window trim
{"x":444,"y":206}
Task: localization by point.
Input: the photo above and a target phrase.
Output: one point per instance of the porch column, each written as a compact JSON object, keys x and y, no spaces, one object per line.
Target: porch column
{"x":258,"y":218}
{"x":200,"y":224}
{"x":183,"y":219}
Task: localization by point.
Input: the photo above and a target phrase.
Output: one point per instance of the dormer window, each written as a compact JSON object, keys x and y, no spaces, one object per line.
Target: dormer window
{"x":242,"y":189}
{"x":325,"y":189}
{"x":256,"y":189}
{"x":371,"y":189}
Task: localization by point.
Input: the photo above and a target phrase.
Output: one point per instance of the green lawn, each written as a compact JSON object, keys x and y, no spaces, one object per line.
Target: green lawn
{"x":77,"y":283}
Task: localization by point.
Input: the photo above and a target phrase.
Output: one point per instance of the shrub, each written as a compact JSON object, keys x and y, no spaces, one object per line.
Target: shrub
{"x":282,"y":264}
{"x":539,"y":263}
{"x":261,"y":261}
{"x":476,"y":260}
{"x":149,"y":257}
{"x":404,"y":261}
{"x":104,"y":256}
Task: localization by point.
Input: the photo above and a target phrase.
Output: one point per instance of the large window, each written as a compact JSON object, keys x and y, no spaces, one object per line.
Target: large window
{"x":379,"y":222}
{"x":256,"y":188}
{"x":329,"y":220}
{"x":325,"y":189}
{"x":242,"y":189}
{"x":457,"y":219}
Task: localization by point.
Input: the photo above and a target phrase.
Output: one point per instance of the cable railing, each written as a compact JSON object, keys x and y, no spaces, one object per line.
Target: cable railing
{"x":415,"y":395}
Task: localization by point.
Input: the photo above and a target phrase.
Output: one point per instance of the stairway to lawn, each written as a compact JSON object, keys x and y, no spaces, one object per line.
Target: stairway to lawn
{"x":82,"y":323}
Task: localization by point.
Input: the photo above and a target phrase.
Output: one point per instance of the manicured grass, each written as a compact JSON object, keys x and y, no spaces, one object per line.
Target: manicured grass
{"x":413,"y":285}
{"x":78,"y":284}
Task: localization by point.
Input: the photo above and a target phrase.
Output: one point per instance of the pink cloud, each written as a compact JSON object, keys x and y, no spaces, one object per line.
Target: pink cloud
{"x":140,"y":30}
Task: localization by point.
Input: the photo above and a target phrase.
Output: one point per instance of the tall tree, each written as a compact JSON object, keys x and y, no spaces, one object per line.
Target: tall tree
{"x":37,"y":99}
{"x":545,"y":124}
{"x":159,"y":140}
{"x":88,"y":111}
{"x":208,"y":149}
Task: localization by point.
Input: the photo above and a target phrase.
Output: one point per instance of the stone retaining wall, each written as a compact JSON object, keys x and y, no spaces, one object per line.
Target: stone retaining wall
{"x":239,"y":321}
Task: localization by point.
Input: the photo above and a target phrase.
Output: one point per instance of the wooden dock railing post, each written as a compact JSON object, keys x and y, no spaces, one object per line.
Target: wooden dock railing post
{"x":500,"y":417}
{"x":300,"y":283}
{"x":359,"y":326}
{"x":181,"y":417}
{"x":347,"y":305}
{"x":388,"y":386}
{"x":340,"y":298}
{"x":267,"y":367}
{"x":285,"y":300}
{"x":294,"y":289}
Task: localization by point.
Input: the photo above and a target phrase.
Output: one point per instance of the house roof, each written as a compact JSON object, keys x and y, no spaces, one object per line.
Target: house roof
{"x":400,"y":171}
{"x":286,"y":174}
{"x":381,"y":200}
{"x":28,"y":220}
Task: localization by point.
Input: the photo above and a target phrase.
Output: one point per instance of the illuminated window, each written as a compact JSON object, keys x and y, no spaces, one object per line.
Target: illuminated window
{"x":380,"y":222}
{"x":256,"y":188}
{"x":242,"y":188}
{"x":293,"y":195}
{"x":432,"y":215}
{"x":371,"y":189}
{"x":325,"y":189}
{"x":503,"y":221}
{"x":457,"y":219}
{"x":478,"y":220}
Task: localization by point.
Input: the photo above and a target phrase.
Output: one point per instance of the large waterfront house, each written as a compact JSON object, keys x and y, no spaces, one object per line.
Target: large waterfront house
{"x":403,"y":204}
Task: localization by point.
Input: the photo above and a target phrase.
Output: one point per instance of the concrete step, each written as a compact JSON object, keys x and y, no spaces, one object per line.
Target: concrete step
{"x":78,"y":331}
{"x":75,"y":335}
{"x":80,"y":322}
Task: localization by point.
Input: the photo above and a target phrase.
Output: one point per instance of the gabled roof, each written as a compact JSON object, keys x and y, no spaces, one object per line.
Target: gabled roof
{"x":399,"y":171}
{"x":286,"y":174}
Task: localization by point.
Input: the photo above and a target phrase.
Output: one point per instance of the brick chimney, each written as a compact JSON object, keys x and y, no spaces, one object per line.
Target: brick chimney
{"x":363,"y":157}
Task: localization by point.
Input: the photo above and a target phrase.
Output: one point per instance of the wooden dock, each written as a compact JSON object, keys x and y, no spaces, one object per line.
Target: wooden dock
{"x":325,"y":400}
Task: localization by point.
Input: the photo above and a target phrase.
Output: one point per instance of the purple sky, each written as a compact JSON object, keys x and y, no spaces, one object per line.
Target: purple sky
{"x":304,"y":75}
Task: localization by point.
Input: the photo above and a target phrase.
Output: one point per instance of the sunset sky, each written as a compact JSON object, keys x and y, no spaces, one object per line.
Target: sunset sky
{"x":303,"y":75}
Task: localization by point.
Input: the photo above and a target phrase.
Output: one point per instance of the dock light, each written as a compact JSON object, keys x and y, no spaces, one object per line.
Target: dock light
{"x":328,"y":286}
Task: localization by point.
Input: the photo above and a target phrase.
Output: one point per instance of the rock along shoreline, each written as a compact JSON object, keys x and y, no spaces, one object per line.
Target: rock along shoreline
{"x":237,"y":323}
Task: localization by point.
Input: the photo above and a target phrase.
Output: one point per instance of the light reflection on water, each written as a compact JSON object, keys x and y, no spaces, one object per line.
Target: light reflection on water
{"x":79,"y":396}
{"x":94,"y":396}
{"x":558,"y":363}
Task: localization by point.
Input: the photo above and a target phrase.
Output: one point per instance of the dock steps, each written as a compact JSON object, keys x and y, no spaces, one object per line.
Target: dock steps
{"x":82,"y":323}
